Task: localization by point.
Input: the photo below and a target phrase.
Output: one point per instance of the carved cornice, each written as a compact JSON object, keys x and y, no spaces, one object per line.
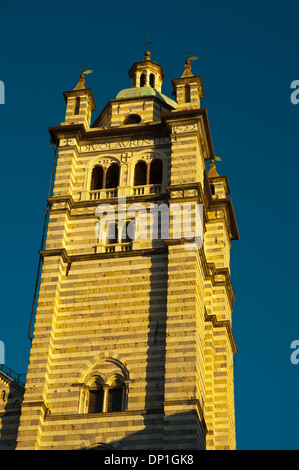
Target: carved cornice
{"x":69,"y":259}
{"x":183,"y":116}
{"x":226,"y":203}
{"x":218,"y":276}
{"x":84,"y":135}
{"x":81,"y":92}
{"x":70,"y":204}
{"x":223,"y":324}
{"x":40,"y":405}
{"x":102,"y":417}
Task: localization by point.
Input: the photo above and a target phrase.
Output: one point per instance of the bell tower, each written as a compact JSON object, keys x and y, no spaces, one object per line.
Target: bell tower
{"x":133,"y":345}
{"x":146,"y":73}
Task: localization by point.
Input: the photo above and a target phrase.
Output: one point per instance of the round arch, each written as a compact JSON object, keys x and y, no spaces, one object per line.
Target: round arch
{"x":147,"y":157}
{"x":95,"y":367}
{"x":105,"y":162}
{"x":95,"y":444}
{"x":132,"y":119}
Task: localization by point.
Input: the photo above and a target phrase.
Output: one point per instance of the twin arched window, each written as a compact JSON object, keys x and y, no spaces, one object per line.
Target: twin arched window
{"x":124,"y":235}
{"x":102,"y":178}
{"x":152,"y":80}
{"x":148,"y":174}
{"x":144,"y":174}
{"x":106,"y":397}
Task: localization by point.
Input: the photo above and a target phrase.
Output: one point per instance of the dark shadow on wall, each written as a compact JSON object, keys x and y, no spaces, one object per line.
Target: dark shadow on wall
{"x":151,"y":413}
{"x":157,"y":427}
{"x":156,"y":349}
{"x":140,"y":440}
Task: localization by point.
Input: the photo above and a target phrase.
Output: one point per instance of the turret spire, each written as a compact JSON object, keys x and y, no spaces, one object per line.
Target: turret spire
{"x":212,"y":172}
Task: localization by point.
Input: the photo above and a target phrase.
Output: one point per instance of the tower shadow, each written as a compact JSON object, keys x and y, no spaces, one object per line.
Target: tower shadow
{"x":156,"y":349}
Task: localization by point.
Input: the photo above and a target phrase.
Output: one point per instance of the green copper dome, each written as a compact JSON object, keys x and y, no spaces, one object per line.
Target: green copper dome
{"x":142,"y":92}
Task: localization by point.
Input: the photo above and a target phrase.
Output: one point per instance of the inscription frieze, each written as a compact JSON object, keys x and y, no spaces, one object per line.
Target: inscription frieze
{"x":117,"y":145}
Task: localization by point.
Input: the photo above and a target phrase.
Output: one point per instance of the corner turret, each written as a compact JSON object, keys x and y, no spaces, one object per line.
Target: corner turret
{"x":188,"y":89}
{"x":79,"y":103}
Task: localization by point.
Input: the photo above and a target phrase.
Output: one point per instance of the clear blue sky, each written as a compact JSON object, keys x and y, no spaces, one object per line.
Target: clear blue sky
{"x":248,"y":56}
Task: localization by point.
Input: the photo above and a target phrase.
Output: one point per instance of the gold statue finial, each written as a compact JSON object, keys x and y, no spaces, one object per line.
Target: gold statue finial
{"x":81,"y":81}
{"x":187,"y":71}
{"x":213,"y":172}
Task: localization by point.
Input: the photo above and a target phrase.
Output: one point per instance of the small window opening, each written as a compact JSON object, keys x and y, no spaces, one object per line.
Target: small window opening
{"x":128,"y":232}
{"x":112,"y":234}
{"x":97,"y":178}
{"x":152,"y":80}
{"x":156,"y":171}
{"x":142,"y":79}
{"x":212,"y":189}
{"x":140,"y":173}
{"x":77,"y":105}
{"x":96,"y":401}
{"x":112,"y":177}
{"x":115,"y":397}
{"x":187,"y":94}
{"x":132,"y":119}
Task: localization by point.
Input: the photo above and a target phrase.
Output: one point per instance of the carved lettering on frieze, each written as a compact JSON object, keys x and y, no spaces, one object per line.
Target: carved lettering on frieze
{"x":123,"y":144}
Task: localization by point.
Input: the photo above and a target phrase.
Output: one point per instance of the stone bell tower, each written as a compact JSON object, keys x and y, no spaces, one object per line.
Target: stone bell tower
{"x":133,"y":345}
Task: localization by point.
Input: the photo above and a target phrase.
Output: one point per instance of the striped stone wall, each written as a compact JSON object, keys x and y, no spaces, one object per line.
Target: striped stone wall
{"x":154,"y":315}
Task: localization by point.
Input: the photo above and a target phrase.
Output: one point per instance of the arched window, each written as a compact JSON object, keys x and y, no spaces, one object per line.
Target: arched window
{"x":142,"y":79}
{"x":77,"y":105}
{"x":156,"y":171}
{"x":96,"y":396}
{"x":128,"y":232}
{"x":106,"y":397}
{"x":132,"y":119}
{"x":187,"y":94}
{"x":97,"y":178}
{"x":115,"y":399}
{"x":140,"y":173}
{"x":152,"y":80}
{"x":99,"y":446}
{"x":112,"y":234}
{"x":112,"y":176}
